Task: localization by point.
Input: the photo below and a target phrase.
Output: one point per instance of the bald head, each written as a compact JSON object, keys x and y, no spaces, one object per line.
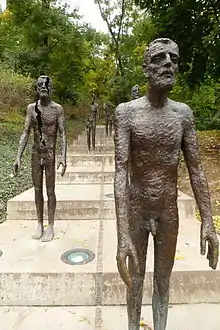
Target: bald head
{"x":161,"y":63}
{"x":44,"y":86}
{"x":159,"y":45}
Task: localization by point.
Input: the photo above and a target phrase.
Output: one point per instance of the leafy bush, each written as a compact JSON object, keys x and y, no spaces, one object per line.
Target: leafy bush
{"x":15,"y":90}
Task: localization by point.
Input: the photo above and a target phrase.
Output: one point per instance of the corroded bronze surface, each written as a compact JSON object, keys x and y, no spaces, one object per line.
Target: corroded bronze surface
{"x":46,"y":118}
{"x":91,"y":124}
{"x":135,"y":92}
{"x":150,"y":133}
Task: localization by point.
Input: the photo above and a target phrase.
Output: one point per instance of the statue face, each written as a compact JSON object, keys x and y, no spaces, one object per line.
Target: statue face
{"x":135,"y":92}
{"x":44,"y":86}
{"x":162,"y":65}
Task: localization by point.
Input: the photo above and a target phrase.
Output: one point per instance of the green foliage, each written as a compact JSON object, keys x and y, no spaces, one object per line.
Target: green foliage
{"x":47,"y":40}
{"x":203,"y":100}
{"x":9,"y":185}
{"x":12,"y":86}
{"x":194,"y":25}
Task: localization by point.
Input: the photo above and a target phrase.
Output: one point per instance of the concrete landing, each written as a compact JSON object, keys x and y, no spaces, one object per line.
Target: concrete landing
{"x":32,"y":273}
{"x":73,"y":202}
{"x":184,"y":317}
{"x":81,"y":201}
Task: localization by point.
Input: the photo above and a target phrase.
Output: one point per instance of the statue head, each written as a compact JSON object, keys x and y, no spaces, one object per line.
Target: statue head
{"x":135,"y":92}
{"x":161,"y":63}
{"x":44,"y":87}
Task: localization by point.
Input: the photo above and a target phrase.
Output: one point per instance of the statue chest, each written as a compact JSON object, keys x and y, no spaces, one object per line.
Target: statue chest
{"x":45,"y":119}
{"x":154,"y":130}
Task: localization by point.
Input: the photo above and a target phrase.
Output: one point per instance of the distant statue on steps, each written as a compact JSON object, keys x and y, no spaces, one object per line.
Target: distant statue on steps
{"x":91,"y":123}
{"x":46,"y":118}
{"x":108,"y":119}
{"x":89,"y":130}
{"x":150,"y":133}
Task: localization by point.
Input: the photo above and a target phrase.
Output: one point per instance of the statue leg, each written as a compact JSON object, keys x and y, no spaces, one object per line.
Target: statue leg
{"x":93,"y":134}
{"x":106,"y":127}
{"x":37,"y":177}
{"x":51,"y":202}
{"x":164,"y":254}
{"x":135,"y":294}
{"x":110,"y":127}
{"x":89,"y":138}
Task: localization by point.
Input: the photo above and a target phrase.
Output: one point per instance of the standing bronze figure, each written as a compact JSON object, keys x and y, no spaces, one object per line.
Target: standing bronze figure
{"x":135,"y":93}
{"x":45,"y":117}
{"x":108,"y":119}
{"x":89,"y":130}
{"x":91,"y":123}
{"x":150,"y":133}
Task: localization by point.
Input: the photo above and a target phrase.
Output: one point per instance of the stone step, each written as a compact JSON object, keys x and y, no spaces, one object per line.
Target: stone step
{"x":73,"y":202}
{"x":90,"y":160}
{"x":82,"y":149}
{"x":86,"y":175}
{"x":82,"y":140}
{"x":33,"y":274}
{"x":81,"y":202}
{"x":180,"y":317}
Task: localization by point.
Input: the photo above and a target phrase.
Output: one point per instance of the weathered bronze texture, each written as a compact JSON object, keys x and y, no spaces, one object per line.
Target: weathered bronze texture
{"x":46,"y":118}
{"x":150,"y":133}
{"x":91,"y":124}
{"x":108,"y":119}
{"x":135,"y":92}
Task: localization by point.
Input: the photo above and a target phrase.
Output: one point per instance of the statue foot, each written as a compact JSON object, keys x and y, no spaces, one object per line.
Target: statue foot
{"x":48,"y":234}
{"x":39,"y":232}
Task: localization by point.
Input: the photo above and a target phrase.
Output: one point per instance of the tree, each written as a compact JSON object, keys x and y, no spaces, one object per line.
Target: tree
{"x":195,"y":26}
{"x":46,"y":40}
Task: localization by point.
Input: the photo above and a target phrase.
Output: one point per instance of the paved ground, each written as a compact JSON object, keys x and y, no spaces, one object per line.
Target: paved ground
{"x":183,"y":317}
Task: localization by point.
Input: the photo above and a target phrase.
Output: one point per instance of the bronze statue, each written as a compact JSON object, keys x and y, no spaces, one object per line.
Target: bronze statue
{"x":150,"y":133}
{"x":108,"y":119}
{"x":91,"y":123}
{"x":135,"y":92}
{"x":89,"y":130}
{"x":45,"y":117}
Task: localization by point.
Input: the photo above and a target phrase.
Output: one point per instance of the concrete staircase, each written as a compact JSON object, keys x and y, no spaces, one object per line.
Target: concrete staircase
{"x":33,"y":277}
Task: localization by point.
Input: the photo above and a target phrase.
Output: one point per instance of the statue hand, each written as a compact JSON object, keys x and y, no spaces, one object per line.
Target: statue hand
{"x":126,"y":249}
{"x":208,"y":234}
{"x":17,"y":166}
{"x":63,"y":163}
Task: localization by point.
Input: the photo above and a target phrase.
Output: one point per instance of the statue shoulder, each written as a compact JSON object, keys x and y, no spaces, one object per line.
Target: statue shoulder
{"x":57,"y":106}
{"x":31,"y":107}
{"x":129,"y":107}
{"x":183,"y":109}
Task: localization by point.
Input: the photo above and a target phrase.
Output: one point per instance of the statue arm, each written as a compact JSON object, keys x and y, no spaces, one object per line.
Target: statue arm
{"x":197,"y":176}
{"x":25,"y":134}
{"x":62,"y":133}
{"x":200,"y":188}
{"x":126,"y":247}
{"x":63,"y":141}
{"x":122,"y":141}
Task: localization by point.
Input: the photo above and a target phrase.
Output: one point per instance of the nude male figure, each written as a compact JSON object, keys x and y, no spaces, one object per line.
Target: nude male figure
{"x":46,"y":118}
{"x":150,"y":133}
{"x":94,"y":111}
{"x":108,"y":119}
